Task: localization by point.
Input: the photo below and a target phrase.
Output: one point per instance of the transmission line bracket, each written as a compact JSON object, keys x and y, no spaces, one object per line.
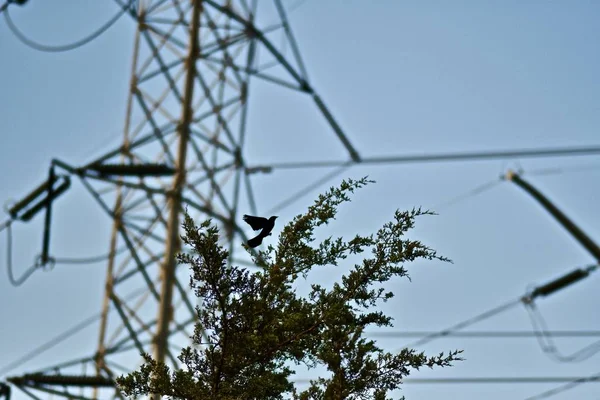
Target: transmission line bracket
{"x":25,"y":209}
{"x":558,"y":284}
{"x":569,"y":225}
{"x":37,"y":380}
{"x":41,"y":198}
{"x":140,"y":170}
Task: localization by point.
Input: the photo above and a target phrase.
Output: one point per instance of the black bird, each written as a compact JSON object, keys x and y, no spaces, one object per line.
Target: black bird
{"x":258,"y":223}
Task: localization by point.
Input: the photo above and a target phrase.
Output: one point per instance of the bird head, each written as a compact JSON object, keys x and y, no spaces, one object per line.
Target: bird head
{"x":273,"y":218}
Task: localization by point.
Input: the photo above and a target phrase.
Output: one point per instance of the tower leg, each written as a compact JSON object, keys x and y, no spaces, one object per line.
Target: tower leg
{"x":165,"y":311}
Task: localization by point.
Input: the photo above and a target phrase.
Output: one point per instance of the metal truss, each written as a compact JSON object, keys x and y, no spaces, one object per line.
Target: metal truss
{"x":184,"y":136}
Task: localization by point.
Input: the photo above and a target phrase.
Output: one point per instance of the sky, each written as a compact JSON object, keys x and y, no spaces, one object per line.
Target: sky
{"x":401,"y":77}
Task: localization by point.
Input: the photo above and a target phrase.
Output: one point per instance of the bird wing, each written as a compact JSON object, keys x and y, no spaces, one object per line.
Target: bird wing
{"x":257,"y":223}
{"x":255,"y":241}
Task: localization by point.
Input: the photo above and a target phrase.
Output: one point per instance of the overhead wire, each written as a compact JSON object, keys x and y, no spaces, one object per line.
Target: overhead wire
{"x":88,"y":260}
{"x":306,"y":190}
{"x":540,"y":328}
{"x":546,"y":340}
{"x":9,"y":262}
{"x":442,"y":157}
{"x":271,"y":26}
{"x":62,"y":336}
{"x":479,"y":189}
{"x":491,"y":380}
{"x":580,"y":355}
{"x":50,"y":344}
{"x":484,"y":334}
{"x":562,"y":170}
{"x":102,"y":144}
{"x":67,"y":47}
{"x":564,"y":388}
{"x":52,"y":260}
{"x":295,"y":6}
{"x":478,"y":318}
{"x":503,"y":380}
{"x":493,"y":183}
{"x":471,"y":193}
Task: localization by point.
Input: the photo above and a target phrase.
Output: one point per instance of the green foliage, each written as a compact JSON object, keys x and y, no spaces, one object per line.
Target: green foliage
{"x":252,"y":326}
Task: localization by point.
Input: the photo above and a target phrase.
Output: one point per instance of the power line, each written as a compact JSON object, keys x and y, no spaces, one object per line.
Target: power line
{"x":525,"y":379}
{"x":295,"y":6}
{"x":543,"y":290}
{"x":52,"y":260}
{"x":486,"y":334}
{"x":561,"y":170}
{"x":9,"y":267}
{"x":479,"y":189}
{"x":87,"y":260}
{"x":62,"y":337}
{"x":471,"y":193}
{"x":492,"y":184}
{"x":304,"y":191}
{"x":440,"y":157}
{"x":546,"y":341}
{"x":465,"y":323}
{"x":563,"y":388}
{"x":67,"y":47}
{"x":494,"y":380}
{"x":51,"y":343}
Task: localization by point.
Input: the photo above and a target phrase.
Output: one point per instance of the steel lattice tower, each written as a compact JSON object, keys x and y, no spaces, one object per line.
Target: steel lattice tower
{"x":182,"y":149}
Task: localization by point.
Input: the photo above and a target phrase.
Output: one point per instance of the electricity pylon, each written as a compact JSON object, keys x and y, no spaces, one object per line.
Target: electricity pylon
{"x":184,"y":136}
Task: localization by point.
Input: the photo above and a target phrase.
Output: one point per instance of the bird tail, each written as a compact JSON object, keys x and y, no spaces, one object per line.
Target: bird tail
{"x":255,"y":241}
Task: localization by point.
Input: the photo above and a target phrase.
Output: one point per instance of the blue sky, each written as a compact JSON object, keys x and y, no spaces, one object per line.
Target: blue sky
{"x":401,"y":78}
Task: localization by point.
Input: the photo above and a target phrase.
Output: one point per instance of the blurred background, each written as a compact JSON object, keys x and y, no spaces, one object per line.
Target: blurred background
{"x":401,"y":78}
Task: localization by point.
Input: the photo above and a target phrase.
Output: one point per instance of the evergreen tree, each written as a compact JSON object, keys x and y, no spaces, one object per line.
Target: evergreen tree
{"x":253,"y":327}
